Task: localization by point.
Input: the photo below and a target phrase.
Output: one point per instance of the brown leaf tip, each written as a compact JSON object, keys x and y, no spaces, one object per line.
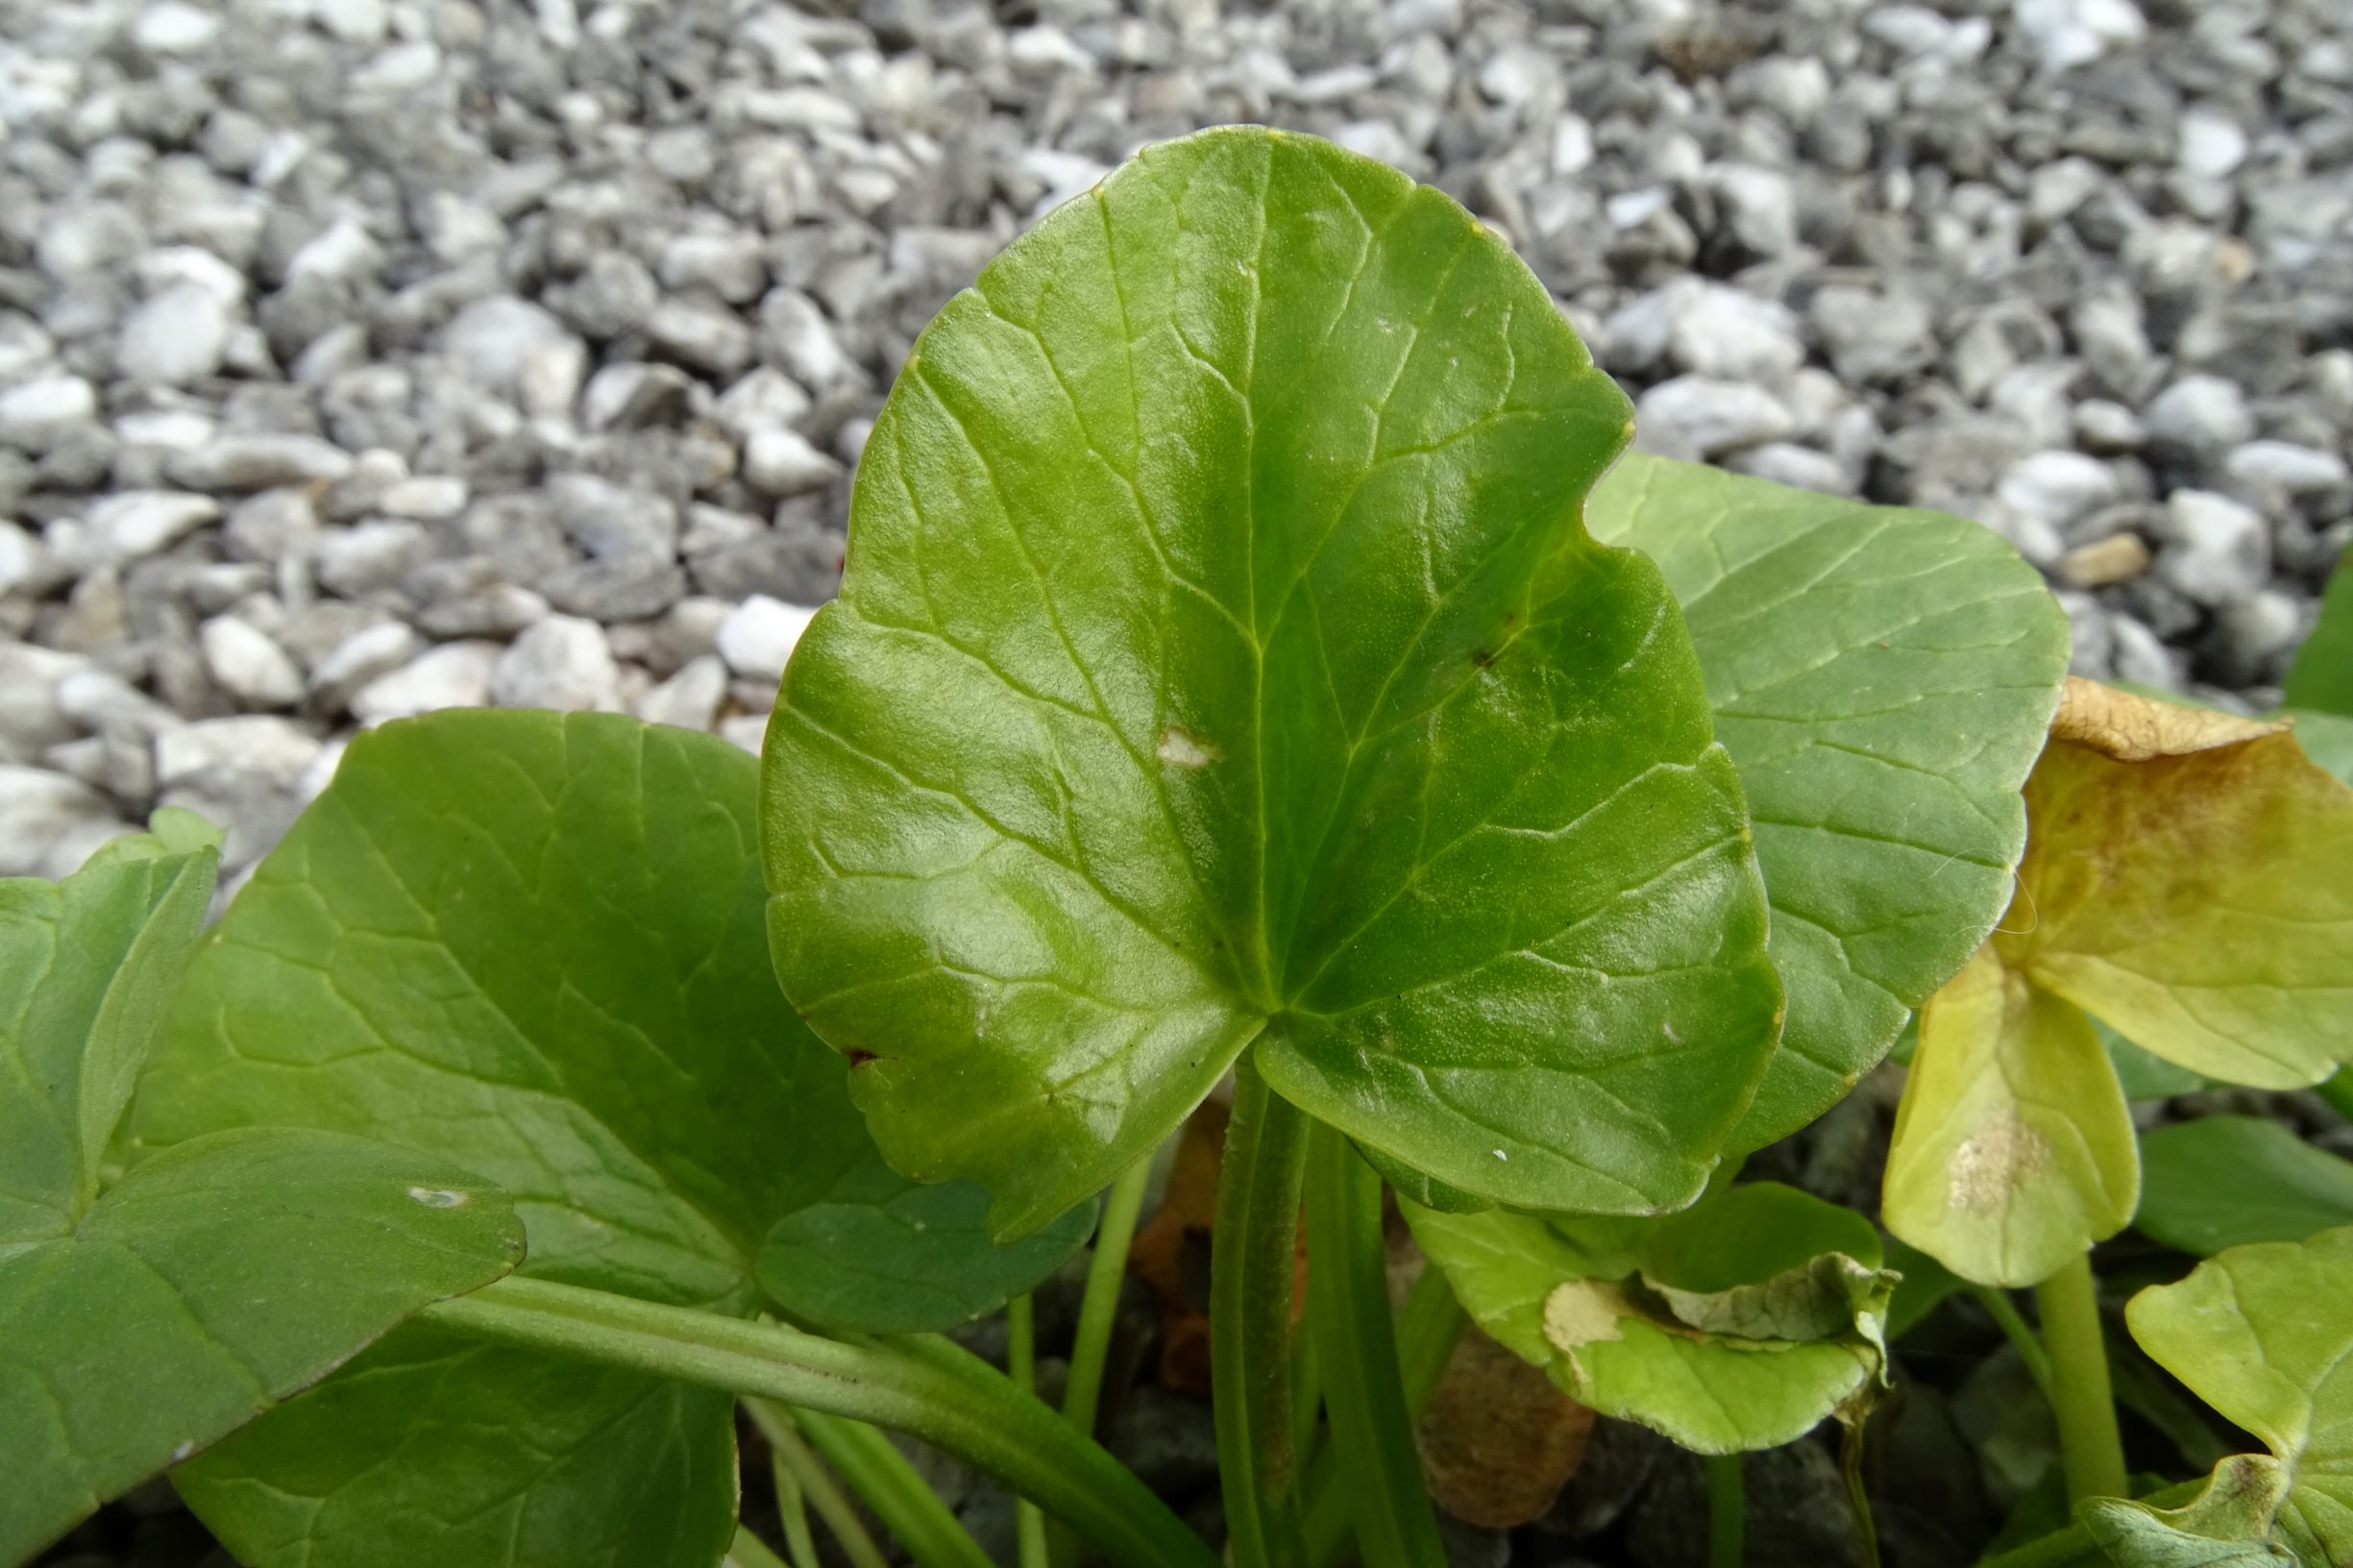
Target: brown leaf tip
{"x":2129,"y":727}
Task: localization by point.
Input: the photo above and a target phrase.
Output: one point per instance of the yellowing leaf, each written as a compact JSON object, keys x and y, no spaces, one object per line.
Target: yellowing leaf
{"x":2264,"y":1334}
{"x":2129,"y":727}
{"x":2013,"y":1149}
{"x":2189,"y":878}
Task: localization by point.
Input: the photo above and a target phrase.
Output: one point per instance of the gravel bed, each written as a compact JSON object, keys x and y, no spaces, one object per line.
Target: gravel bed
{"x":362,"y":357}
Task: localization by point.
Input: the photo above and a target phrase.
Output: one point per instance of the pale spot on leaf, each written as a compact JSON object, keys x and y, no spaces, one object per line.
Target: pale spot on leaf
{"x":1993,"y":1162}
{"x":1179,"y":750}
{"x":440,"y":1197}
{"x":1583,"y":1313}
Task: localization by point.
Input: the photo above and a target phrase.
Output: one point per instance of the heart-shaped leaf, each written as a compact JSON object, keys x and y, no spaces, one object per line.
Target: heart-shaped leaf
{"x":2264,"y":1334}
{"x":534,"y":944}
{"x":1882,"y":676}
{"x":2227,"y":1181}
{"x":215,"y":1279}
{"x":1220,"y":659}
{"x":1739,"y":1324}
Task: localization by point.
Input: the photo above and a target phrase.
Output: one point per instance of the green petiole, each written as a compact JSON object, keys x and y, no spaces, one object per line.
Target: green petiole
{"x":1355,"y":1341}
{"x":1252,"y":1262}
{"x":980,"y":1417}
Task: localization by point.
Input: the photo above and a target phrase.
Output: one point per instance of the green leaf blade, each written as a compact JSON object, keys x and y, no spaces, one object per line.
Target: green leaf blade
{"x":2264,"y":1334}
{"x":2223,"y":1181}
{"x":86,"y":966}
{"x":215,"y":1279}
{"x":1882,"y":676}
{"x":534,"y":944}
{"x":2321,"y":679}
{"x":1216,"y":621}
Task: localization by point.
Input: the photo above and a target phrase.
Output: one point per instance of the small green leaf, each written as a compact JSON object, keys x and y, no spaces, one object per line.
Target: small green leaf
{"x":534,"y":944}
{"x":2013,"y":1149}
{"x":2227,"y":1181}
{"x":1882,"y":677}
{"x":2264,"y":1334}
{"x":1221,"y":659}
{"x":2321,"y":679}
{"x":1721,"y":1327}
{"x":86,"y":966}
{"x":216,"y":1277}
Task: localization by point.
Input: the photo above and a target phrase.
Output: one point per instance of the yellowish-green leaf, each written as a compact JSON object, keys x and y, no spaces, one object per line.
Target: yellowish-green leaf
{"x":2013,"y":1149}
{"x":2226,"y":1526}
{"x":2189,"y":878}
{"x":1739,"y":1324}
{"x":2264,"y":1334}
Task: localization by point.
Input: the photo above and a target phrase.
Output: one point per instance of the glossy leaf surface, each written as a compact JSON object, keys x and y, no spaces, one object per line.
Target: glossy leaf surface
{"x":212,"y":1281}
{"x":1221,"y":660}
{"x":2227,"y":1181}
{"x":2264,"y":1334}
{"x":1738,"y":1324}
{"x":2189,"y":878}
{"x":534,"y":944}
{"x":2013,"y":1149}
{"x":1882,"y":676}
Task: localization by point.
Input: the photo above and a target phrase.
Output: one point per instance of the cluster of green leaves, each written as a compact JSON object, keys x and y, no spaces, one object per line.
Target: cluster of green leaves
{"x":1249,"y":658}
{"x":507,"y":976}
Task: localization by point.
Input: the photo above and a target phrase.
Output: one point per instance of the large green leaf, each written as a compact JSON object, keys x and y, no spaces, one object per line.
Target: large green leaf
{"x":1221,"y":659}
{"x":1738,"y":1324}
{"x":215,"y":1279}
{"x":1883,"y":678}
{"x":2321,"y":679}
{"x":532,"y":943}
{"x":2226,"y":1181}
{"x":2264,"y":1334}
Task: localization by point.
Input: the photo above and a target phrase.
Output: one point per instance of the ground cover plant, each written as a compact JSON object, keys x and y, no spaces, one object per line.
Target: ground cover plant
{"x":1258,"y":656}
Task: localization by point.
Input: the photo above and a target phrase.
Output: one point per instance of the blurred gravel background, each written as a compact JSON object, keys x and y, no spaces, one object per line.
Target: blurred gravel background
{"x":359,"y":358}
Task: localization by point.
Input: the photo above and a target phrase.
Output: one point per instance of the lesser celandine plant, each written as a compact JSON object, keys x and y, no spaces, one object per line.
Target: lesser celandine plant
{"x":1249,"y":661}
